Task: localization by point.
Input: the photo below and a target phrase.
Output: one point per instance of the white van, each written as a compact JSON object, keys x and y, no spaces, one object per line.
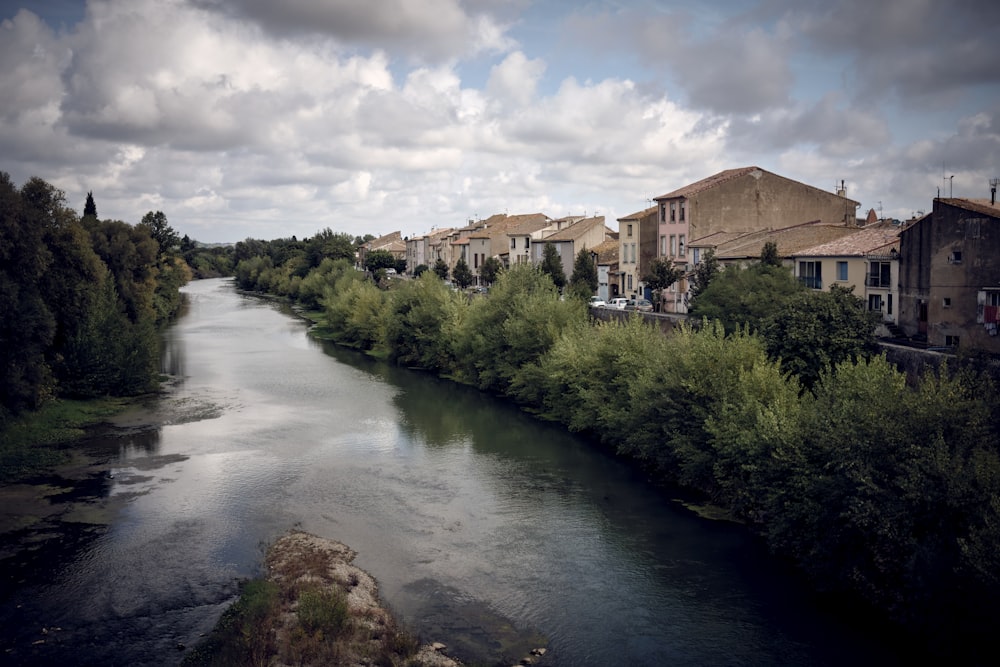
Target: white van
{"x":618,"y":303}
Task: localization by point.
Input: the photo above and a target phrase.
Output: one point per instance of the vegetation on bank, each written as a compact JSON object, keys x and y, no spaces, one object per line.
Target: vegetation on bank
{"x":31,"y":441}
{"x":777,"y":408}
{"x":80,"y":299}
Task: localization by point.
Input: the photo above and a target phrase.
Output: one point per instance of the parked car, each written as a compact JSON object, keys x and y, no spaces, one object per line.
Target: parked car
{"x":618,"y":303}
{"x":642,"y":305}
{"x":597,"y":302}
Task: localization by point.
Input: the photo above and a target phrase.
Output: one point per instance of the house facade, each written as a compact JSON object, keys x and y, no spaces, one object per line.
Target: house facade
{"x":736,"y":202}
{"x":636,"y":250}
{"x":949,"y":282}
{"x":866,"y":261}
{"x":585,"y":233}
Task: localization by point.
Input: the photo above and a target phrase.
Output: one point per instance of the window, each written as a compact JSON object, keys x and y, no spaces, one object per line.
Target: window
{"x":673,"y":211}
{"x":683,"y":206}
{"x":663,"y":245}
{"x":946,"y":302}
{"x":630,"y":281}
{"x":842,"y":271}
{"x":630,"y":230}
{"x":696,"y":255}
{"x":663,"y":212}
{"x":955,"y":257}
{"x":879,"y":274}
{"x":513,"y":243}
{"x":888,"y":307}
{"x":951,"y":341}
{"x":633,"y":253}
{"x":875,"y":302}
{"x":683,"y":245}
{"x":811,"y":274}
{"x":673,"y":245}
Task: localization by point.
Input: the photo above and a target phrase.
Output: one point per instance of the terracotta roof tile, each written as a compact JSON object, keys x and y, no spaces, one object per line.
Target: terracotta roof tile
{"x":706,"y":183}
{"x":857,"y":244}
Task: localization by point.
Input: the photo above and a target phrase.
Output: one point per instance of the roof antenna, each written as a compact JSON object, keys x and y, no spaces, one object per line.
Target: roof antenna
{"x":993,"y":190}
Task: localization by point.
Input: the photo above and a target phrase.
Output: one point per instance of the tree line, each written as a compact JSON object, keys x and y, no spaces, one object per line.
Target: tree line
{"x":879,"y":487}
{"x":80,"y":298}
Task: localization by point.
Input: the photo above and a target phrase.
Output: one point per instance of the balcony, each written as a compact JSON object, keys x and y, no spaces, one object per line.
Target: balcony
{"x":812,"y":282}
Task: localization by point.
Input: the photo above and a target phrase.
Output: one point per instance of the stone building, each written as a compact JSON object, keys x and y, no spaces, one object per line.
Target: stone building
{"x":949,"y":275}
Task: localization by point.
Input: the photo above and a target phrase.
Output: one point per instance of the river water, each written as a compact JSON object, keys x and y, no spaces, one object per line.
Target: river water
{"x":485,"y":528}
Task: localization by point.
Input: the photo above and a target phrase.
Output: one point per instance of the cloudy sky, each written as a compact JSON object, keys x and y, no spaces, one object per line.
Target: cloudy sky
{"x":264,"y":119}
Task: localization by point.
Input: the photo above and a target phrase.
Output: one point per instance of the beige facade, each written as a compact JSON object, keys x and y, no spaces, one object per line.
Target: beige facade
{"x":636,"y":249}
{"x":738,"y":202}
{"x":866,"y":261}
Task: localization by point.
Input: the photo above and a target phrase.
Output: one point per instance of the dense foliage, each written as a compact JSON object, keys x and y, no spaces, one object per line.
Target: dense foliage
{"x":80,"y":300}
{"x":776,"y":408}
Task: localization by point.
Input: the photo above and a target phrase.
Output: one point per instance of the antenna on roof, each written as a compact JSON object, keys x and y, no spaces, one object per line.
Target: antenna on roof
{"x":993,"y":190}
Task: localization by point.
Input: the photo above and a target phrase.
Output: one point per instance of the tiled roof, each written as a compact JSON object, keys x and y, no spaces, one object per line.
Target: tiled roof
{"x":639,"y":215}
{"x":710,"y":182}
{"x":576,"y":230}
{"x":790,"y":240}
{"x":607,"y":252}
{"x":978,"y":205}
{"x":857,"y":244}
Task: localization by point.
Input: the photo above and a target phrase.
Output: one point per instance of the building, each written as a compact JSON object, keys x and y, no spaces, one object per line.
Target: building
{"x":606,"y":258}
{"x":636,"y":250}
{"x":949,"y":279}
{"x":865,"y":260}
{"x":736,"y":202}
{"x":585,"y":233}
{"x":392,"y":243}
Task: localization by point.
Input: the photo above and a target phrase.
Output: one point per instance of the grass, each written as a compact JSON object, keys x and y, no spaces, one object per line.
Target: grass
{"x":31,"y":442}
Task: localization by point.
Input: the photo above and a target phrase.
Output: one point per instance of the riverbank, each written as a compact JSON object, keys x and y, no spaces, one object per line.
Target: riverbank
{"x":313,"y":608}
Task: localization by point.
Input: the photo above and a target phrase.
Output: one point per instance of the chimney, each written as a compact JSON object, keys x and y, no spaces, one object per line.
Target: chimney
{"x":842,"y":191}
{"x":993,"y":190}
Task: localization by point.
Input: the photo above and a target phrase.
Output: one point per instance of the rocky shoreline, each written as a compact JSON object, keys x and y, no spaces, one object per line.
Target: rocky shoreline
{"x":298,"y":558}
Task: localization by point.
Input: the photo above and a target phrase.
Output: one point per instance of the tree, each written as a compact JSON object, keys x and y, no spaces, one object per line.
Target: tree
{"x":441,"y":269}
{"x":584,"y":272}
{"x":419,"y":270}
{"x":161,"y":231}
{"x":379,"y":259}
{"x":769,"y":254}
{"x":811,"y":331}
{"x":704,"y":272}
{"x":462,"y":274}
{"x":662,"y":274}
{"x":90,"y":208}
{"x":740,"y":297}
{"x":552,"y":266}
{"x":490,"y":270}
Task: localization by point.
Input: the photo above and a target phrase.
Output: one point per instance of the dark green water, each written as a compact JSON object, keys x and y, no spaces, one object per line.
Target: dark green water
{"x":486,"y":529}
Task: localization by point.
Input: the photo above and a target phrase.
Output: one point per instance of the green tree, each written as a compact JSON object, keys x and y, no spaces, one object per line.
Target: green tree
{"x":419,"y":270}
{"x":552,"y":266}
{"x":90,"y":208}
{"x":661,"y":275}
{"x":379,"y":259}
{"x":812,"y":331}
{"x":423,"y":312}
{"x":511,"y":329}
{"x":27,"y":326}
{"x":740,"y":297}
{"x":462,"y":275}
{"x":441,"y":269}
{"x":769,"y":254}
{"x":704,"y":272}
{"x":161,"y":231}
{"x":490,"y":270}
{"x":584,"y":273}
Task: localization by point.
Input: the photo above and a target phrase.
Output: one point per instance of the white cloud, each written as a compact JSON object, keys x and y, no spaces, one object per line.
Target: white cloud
{"x":236,"y":122}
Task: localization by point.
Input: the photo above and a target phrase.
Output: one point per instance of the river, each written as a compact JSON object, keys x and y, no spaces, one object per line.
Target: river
{"x":486,"y":529}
